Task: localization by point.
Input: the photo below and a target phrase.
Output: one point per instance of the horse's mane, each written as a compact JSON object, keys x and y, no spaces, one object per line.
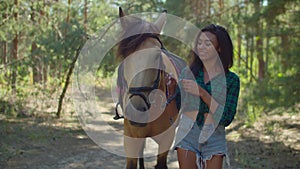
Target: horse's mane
{"x":133,"y":36}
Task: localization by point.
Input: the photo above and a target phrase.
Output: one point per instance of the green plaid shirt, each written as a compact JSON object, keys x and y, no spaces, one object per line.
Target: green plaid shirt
{"x":225,"y":92}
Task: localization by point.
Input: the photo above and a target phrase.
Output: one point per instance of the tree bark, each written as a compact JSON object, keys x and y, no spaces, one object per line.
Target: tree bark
{"x":221,"y":8}
{"x":68,"y":17}
{"x":259,"y":43}
{"x":247,"y":53}
{"x":4,"y":52}
{"x":239,"y":34}
{"x":45,"y":65}
{"x":267,"y":54}
{"x":4,"y":45}
{"x":285,"y":47}
{"x":15,"y":54}
{"x":67,"y":82}
{"x":36,"y":67}
{"x":251,"y":56}
{"x":209,"y":9}
{"x":85,"y":15}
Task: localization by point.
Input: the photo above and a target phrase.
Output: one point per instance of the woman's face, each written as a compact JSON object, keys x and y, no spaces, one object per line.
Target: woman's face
{"x":207,"y":46}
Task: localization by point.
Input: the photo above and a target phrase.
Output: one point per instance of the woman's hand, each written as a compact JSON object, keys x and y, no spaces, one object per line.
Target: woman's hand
{"x":190,"y":86}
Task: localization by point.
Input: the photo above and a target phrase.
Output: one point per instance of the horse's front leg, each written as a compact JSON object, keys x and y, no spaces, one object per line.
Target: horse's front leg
{"x":131,"y":163}
{"x":164,"y":142}
{"x":162,"y":161}
{"x":134,"y":148}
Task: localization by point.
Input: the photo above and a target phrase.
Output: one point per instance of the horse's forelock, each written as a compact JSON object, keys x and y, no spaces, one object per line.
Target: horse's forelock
{"x":133,"y":36}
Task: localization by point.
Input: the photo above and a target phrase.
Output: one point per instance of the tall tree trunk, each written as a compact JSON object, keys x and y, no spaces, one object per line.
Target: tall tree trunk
{"x":239,"y":34}
{"x":285,"y":47}
{"x":248,"y":46}
{"x":67,"y":82}
{"x":239,"y":45}
{"x":247,"y":52}
{"x":68,"y":17}
{"x":59,"y":64}
{"x":15,"y":53}
{"x":198,"y":10}
{"x":4,"y":52}
{"x":44,"y":65}
{"x":251,"y":58}
{"x":36,"y":67}
{"x":221,"y":5}
{"x":260,"y":56}
{"x":4,"y":45}
{"x":208,"y":9}
{"x":259,"y":43}
{"x":267,"y":54}
{"x":221,"y":8}
{"x":85,"y":15}
{"x":15,"y":64}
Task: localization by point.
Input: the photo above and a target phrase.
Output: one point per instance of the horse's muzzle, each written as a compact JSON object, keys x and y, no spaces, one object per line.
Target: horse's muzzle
{"x":136,"y":111}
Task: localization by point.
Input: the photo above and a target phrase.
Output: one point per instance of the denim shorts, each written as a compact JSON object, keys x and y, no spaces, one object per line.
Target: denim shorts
{"x":188,"y":138}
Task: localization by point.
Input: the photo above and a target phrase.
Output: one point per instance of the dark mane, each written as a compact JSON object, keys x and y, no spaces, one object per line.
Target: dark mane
{"x":134,"y":35}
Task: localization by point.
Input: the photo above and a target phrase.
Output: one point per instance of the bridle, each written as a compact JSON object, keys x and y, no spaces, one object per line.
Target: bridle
{"x":140,"y":91}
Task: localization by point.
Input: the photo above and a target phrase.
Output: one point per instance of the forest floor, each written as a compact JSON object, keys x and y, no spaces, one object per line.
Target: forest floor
{"x":44,"y":142}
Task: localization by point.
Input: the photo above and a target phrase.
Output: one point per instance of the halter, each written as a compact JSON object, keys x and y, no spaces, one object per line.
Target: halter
{"x":139,"y":91}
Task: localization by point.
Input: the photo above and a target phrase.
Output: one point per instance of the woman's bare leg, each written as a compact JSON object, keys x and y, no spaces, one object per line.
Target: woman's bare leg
{"x":186,"y":159}
{"x":215,"y":162}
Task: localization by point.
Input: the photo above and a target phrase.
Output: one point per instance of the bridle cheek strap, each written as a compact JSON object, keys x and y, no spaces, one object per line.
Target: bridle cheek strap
{"x":139,"y":91}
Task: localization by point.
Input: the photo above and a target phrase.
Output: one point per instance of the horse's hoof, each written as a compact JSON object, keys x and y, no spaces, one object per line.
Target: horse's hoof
{"x":160,"y":167}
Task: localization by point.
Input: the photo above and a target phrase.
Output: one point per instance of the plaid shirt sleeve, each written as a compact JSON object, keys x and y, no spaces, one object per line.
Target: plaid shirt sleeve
{"x":225,"y":113}
{"x":187,"y":102}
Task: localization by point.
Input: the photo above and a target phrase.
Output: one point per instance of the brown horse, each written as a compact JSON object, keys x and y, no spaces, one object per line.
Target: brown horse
{"x":148,"y":93}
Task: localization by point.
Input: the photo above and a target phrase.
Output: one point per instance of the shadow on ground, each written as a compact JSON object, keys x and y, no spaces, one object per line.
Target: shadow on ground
{"x":52,"y":143}
{"x":47,"y":143}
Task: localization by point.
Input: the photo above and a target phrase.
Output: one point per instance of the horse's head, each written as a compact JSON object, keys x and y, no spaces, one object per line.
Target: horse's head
{"x":140,"y":49}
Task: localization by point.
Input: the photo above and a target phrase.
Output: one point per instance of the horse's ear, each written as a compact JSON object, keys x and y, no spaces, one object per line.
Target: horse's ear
{"x":123,"y":18}
{"x":160,"y":22}
{"x":121,"y":13}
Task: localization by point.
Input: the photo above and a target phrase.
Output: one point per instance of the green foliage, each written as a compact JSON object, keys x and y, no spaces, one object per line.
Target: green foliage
{"x":108,"y":64}
{"x":14,"y":107}
{"x":275,"y":23}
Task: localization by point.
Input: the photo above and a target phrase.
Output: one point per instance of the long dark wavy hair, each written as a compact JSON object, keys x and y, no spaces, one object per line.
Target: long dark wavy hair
{"x":225,"y":45}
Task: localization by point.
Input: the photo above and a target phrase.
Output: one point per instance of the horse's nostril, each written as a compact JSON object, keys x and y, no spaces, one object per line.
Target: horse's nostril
{"x":139,"y":103}
{"x":140,"y":108}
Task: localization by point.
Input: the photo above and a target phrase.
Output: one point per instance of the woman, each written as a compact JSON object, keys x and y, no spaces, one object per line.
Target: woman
{"x":200,"y":139}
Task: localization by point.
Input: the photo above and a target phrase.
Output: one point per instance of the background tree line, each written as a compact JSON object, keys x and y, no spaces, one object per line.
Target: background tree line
{"x":39,"y":40}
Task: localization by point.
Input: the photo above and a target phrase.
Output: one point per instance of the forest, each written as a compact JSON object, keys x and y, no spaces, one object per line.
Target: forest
{"x":41,"y":40}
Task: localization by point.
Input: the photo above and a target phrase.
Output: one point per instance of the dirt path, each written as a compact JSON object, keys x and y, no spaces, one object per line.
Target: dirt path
{"x":49,"y":143}
{"x":35,"y":144}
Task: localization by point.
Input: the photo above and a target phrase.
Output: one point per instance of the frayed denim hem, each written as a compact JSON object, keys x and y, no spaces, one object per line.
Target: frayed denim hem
{"x":201,"y":162}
